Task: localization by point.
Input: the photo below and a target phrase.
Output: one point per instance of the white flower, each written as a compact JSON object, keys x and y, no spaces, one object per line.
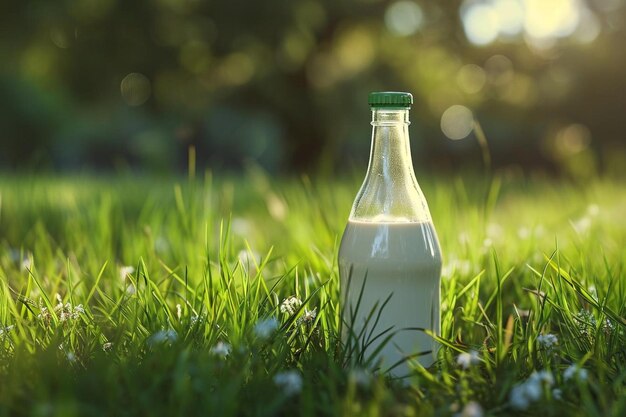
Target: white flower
{"x":276,"y":206}
{"x":471,"y":409}
{"x":467,"y":359}
{"x":309,"y":316}
{"x":530,"y":390}
{"x":289,"y":381}
{"x":593,"y":210}
{"x":241,"y":226}
{"x":161,"y":245}
{"x":163,"y":336}
{"x":586,"y":322}
{"x":77,"y":311}
{"x":518,"y":398}
{"x":71,"y":357}
{"x":540,"y":230}
{"x":248,"y":259}
{"x":64,"y":316}
{"x":44,"y":314}
{"x":544,"y":377}
{"x":125,"y":271}
{"x":221,"y":349}
{"x":27,"y":264}
{"x":179,"y":311}
{"x":494,"y":231}
{"x":582,"y":225}
{"x":575,"y":372}
{"x":459,"y":266}
{"x":6,"y":330}
{"x":195,"y":319}
{"x":107,"y":346}
{"x":290,"y":305}
{"x":593,"y":291}
{"x":547,"y":341}
{"x":264,"y":328}
{"x":523,"y":233}
{"x":557,"y":393}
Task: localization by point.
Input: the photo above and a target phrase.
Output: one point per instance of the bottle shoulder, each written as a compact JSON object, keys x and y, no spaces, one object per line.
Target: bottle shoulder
{"x":383,"y":200}
{"x":407,"y":242}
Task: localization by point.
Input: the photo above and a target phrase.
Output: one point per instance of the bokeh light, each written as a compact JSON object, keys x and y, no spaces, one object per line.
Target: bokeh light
{"x":551,"y":18}
{"x":510,"y":16}
{"x":499,"y":70}
{"x":135,"y":89}
{"x":571,"y":139}
{"x":589,"y":27}
{"x":404,"y":18}
{"x":541,"y":22}
{"x":522,"y":65}
{"x":457,"y":122}
{"x":471,"y":78}
{"x":481,"y":24}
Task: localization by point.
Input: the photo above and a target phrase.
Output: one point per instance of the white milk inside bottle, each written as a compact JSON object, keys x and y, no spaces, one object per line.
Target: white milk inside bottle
{"x":389,"y":259}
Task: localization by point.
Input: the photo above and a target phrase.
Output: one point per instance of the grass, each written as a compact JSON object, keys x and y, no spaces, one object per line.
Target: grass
{"x":170,"y":290}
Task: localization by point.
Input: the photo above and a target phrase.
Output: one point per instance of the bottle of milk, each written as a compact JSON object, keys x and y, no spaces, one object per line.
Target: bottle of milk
{"x":389,"y":259}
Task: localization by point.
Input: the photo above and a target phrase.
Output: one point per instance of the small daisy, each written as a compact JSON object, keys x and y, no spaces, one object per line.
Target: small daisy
{"x":582,"y":225}
{"x":265,"y":328}
{"x":162,"y":337}
{"x":471,"y":409}
{"x":6,"y":330}
{"x":531,"y":390}
{"x":77,"y":311}
{"x":575,"y":372}
{"x":27,"y":264}
{"x":125,"y":271}
{"x":309,"y":316}
{"x":196,"y":319}
{"x":221,"y":349}
{"x":518,"y":397}
{"x":249,"y":259}
{"x":289,"y":381}
{"x":290,"y":305}
{"x":467,"y":359}
{"x":523,"y":233}
{"x":547,"y":341}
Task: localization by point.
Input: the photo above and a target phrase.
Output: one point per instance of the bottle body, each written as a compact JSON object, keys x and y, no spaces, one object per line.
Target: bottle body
{"x":389,"y":258}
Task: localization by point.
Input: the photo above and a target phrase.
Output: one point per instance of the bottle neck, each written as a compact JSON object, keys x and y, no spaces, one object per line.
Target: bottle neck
{"x":390,"y":192}
{"x":390,"y":155}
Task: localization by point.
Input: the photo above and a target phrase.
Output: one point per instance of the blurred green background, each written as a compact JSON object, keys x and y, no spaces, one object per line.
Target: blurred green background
{"x":131,"y":85}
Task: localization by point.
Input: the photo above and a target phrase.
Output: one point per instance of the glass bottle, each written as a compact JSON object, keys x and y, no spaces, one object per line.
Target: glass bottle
{"x":389,"y":258}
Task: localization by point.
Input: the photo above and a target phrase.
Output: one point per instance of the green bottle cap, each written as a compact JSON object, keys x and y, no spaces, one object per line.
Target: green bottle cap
{"x":390,"y":99}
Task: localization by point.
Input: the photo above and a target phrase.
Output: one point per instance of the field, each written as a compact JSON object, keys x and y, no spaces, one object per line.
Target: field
{"x":156,"y":296}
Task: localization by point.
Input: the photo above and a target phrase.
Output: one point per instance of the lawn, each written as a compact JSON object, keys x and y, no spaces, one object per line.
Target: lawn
{"x":126,"y":295}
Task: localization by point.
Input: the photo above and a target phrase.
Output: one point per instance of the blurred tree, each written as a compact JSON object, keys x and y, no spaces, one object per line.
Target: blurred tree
{"x":99,"y":82}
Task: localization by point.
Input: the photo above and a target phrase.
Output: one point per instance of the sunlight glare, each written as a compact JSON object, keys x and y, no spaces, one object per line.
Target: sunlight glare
{"x":551,"y":18}
{"x":404,"y":18}
{"x":481,"y":24}
{"x":457,"y":122}
{"x":510,"y":16}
